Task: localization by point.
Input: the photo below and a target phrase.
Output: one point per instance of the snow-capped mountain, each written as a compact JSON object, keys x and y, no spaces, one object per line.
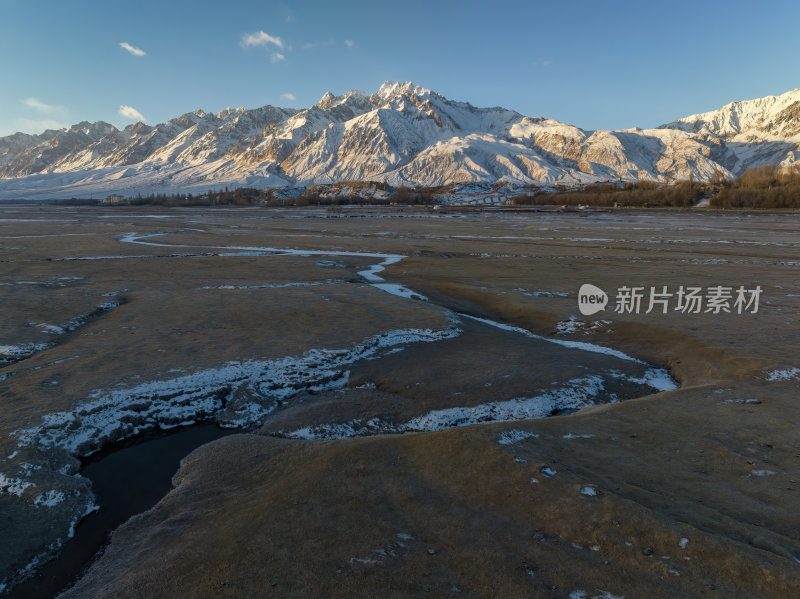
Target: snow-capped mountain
{"x":35,"y":153}
{"x":402,"y":134}
{"x":773,"y":118}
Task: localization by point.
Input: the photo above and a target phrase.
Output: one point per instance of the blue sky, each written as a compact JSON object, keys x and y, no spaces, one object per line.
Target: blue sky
{"x":597,"y":65}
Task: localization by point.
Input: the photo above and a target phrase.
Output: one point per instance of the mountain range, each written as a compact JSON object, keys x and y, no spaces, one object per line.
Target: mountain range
{"x":403,"y":134}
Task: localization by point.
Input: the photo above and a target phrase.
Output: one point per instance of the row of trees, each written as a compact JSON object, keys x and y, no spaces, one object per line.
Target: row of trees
{"x":241,"y":196}
{"x":765,"y":187}
{"x":639,"y":194}
{"x":355,"y":193}
{"x":338,"y":194}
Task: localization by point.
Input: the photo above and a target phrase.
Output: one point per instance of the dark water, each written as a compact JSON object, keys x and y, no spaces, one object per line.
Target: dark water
{"x":127,"y":479}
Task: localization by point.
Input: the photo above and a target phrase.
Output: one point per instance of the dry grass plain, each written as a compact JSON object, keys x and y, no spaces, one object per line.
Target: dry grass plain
{"x":691,"y":492}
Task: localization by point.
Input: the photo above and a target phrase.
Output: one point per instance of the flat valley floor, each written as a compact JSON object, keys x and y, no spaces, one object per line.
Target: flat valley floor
{"x":416,"y":405}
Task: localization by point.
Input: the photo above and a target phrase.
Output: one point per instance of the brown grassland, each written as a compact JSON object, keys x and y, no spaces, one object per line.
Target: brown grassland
{"x":695,"y":490}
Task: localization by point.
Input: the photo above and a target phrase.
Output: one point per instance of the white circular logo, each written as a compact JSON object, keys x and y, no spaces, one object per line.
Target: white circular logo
{"x":591,"y":299}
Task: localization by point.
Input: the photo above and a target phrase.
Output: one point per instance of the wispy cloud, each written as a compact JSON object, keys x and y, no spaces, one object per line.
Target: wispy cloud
{"x":132,"y":49}
{"x":289,"y":97}
{"x":130,"y":112}
{"x":543,"y":62}
{"x":349,"y":43}
{"x":259,"y":38}
{"x":276,"y":57}
{"x":40,"y":106}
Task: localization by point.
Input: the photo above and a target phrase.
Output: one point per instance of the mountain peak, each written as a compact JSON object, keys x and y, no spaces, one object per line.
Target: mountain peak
{"x":391,"y":89}
{"x":138,"y":128}
{"x":93,"y":130}
{"x":326,"y":100}
{"x":227,"y":112}
{"x":352,"y":98}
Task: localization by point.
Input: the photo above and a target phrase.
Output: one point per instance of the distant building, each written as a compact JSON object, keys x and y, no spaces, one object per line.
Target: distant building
{"x":114,"y":199}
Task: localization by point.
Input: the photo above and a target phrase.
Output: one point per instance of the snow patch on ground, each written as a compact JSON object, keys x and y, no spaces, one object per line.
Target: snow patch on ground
{"x":81,"y":320}
{"x":91,"y":507}
{"x":513,"y":436}
{"x":542,"y":293}
{"x":355,"y":428}
{"x":15,"y":353}
{"x":49,"y":499}
{"x":787,"y":374}
{"x":657,"y":378}
{"x":567,"y":327}
{"x":116,"y":293}
{"x":574,"y":325}
{"x":112,"y":415}
{"x":576,"y":393}
{"x":13,"y":486}
{"x":573,"y":395}
{"x":763,"y":472}
{"x":51,"y":329}
{"x":547,"y":472}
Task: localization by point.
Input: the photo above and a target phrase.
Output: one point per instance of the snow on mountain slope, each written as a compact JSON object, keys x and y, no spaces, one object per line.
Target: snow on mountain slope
{"x":770,"y":118}
{"x":41,"y":156}
{"x":15,"y":144}
{"x":404,"y":120}
{"x":403,"y":134}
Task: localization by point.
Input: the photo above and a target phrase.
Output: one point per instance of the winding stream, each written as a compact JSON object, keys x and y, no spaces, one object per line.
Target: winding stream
{"x":127,"y":479}
{"x":131,"y":476}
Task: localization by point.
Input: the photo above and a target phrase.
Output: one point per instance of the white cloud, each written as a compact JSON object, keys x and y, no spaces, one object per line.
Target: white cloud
{"x":276,"y":57}
{"x":41,"y":106}
{"x":259,"y":38}
{"x":131,"y":113}
{"x":289,"y":97}
{"x":132,"y":49}
{"x":349,"y":43}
